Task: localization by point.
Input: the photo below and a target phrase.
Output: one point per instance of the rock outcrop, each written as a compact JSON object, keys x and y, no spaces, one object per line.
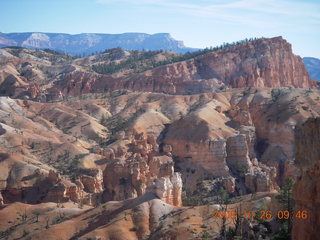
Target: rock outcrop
{"x":49,"y":186}
{"x":266,"y":62}
{"x":92,"y":180}
{"x":307,"y":188}
{"x":262,"y":178}
{"x":169,"y":189}
{"x":260,"y":63}
{"x":212,"y":146}
{"x":207,"y":135}
{"x":88,"y":187}
{"x":138,"y":168}
{"x":238,"y":154}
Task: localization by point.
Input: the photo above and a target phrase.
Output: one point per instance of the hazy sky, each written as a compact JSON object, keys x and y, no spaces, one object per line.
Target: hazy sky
{"x":199,"y":23}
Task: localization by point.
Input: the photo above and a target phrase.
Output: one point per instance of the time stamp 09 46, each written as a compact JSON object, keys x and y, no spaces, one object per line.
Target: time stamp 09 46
{"x":262,"y":214}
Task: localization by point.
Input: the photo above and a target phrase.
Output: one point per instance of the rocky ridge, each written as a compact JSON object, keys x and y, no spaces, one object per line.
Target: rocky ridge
{"x":88,"y":43}
{"x":69,"y":147}
{"x":258,"y":63}
{"x":123,"y":154}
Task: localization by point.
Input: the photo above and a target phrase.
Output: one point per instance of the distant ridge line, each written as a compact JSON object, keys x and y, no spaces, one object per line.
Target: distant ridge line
{"x":88,"y":43}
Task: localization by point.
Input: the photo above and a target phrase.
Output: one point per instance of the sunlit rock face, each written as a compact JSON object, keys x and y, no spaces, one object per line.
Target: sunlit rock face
{"x":137,"y":168}
{"x":225,"y":129}
{"x":266,"y":62}
{"x":261,"y":63}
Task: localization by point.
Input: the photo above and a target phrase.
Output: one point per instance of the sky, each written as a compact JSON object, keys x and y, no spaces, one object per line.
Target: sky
{"x":199,"y":23}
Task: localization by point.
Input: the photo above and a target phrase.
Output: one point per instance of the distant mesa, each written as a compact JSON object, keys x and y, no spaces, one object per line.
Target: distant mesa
{"x":313,"y":67}
{"x":88,"y":43}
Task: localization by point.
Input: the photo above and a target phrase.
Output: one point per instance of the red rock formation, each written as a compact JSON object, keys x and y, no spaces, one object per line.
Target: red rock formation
{"x":307,"y":188}
{"x":237,"y":154}
{"x":134,"y":169}
{"x":92,"y":180}
{"x":45,"y":187}
{"x":169,"y":189}
{"x":266,"y":62}
{"x":260,"y":63}
{"x":262,"y":178}
{"x":229,"y":184}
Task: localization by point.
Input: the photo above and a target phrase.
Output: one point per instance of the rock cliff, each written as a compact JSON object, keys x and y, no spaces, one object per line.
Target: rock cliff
{"x":260,"y":63}
{"x":266,"y":62}
{"x":306,"y":190}
{"x":136,"y":167}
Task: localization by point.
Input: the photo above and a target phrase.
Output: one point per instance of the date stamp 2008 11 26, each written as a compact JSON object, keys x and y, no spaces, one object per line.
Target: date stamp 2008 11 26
{"x":262,"y":214}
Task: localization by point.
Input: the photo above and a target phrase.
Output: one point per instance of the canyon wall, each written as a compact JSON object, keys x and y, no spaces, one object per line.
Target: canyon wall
{"x":242,"y":134}
{"x":266,"y":62}
{"x":307,"y":188}
{"x":260,"y":63}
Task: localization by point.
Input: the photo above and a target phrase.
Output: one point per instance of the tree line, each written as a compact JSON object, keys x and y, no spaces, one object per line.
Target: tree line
{"x":140,"y":61}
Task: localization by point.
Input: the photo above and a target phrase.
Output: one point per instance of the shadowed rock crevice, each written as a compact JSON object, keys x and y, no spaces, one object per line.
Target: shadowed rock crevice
{"x":306,"y":190}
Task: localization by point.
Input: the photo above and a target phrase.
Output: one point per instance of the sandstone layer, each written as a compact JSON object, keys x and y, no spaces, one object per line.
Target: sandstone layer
{"x":266,"y":62}
{"x":260,"y":63}
{"x":243,"y":134}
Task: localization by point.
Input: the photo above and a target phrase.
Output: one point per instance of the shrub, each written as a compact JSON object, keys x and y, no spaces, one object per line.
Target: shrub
{"x":134,"y":229}
{"x":37,"y":213}
{"x":58,"y":219}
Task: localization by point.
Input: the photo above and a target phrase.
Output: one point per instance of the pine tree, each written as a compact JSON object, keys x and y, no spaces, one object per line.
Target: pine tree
{"x":285,"y":199}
